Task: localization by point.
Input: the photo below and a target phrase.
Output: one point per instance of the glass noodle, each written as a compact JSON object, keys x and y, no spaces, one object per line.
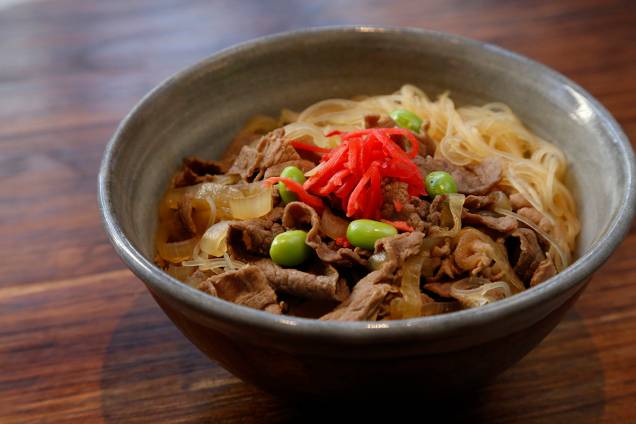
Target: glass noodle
{"x":465,"y":135}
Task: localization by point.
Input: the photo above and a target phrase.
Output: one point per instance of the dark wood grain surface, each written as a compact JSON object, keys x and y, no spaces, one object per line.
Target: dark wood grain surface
{"x":80,"y":338}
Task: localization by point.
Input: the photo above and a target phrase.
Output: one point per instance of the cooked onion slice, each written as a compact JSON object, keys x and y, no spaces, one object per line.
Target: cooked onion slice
{"x":239,"y":201}
{"x":251,"y":203}
{"x":473,"y":292}
{"x":455,"y":205}
{"x":410,"y":304}
{"x":213,"y":264}
{"x":178,"y":251}
{"x":436,"y":308}
{"x":214,"y":240}
{"x":232,"y":264}
{"x":181,"y":273}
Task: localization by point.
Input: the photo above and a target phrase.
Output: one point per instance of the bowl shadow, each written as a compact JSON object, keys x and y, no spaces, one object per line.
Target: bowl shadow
{"x":152,"y":373}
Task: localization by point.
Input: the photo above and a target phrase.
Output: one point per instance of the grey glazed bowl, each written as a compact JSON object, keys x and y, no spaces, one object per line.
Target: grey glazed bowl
{"x":198,"y":110}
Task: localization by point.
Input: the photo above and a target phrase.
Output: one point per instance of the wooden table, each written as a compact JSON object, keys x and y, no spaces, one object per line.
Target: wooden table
{"x":80,"y":338}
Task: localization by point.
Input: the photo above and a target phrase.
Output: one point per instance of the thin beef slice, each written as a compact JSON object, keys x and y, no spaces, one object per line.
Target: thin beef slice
{"x":195,"y":171}
{"x":246,"y":286}
{"x":272,"y":149}
{"x":326,"y":286}
{"x":246,"y":239}
{"x":365,"y":301}
{"x":476,"y":179}
{"x":545,"y":270}
{"x":298,"y":215}
{"x":524,"y":247}
{"x":502,"y":224}
{"x":369,"y":294}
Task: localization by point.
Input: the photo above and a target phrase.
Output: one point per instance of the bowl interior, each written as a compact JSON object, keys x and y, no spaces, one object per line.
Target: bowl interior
{"x":199,"y":110}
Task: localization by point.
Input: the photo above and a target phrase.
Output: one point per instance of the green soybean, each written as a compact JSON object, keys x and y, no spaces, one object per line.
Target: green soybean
{"x":292,"y":173}
{"x":289,"y":248}
{"x":440,"y":182}
{"x":365,"y":232}
{"x":407,"y":119}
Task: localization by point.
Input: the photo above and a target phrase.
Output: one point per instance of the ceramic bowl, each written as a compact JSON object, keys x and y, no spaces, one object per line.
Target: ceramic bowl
{"x":198,"y":111}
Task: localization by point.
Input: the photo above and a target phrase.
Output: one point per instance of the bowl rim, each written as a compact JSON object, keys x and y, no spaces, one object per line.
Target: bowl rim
{"x":363,"y":332}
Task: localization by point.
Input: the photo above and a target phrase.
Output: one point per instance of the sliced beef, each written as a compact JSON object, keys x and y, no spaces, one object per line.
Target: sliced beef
{"x":523,"y":246}
{"x":340,"y":256}
{"x":476,"y":253}
{"x":438,"y":261}
{"x":246,"y":286}
{"x":477,"y":179}
{"x":426,"y":298}
{"x":203,"y":166}
{"x":396,"y":197}
{"x":502,"y":224}
{"x":477,"y":202}
{"x":247,"y":239}
{"x":370,"y":293}
{"x":398,"y":249}
{"x":488,"y":201}
{"x":517,"y":201}
{"x":325,"y":285}
{"x":427,"y":145}
{"x":378,"y":121}
{"x":308,"y":308}
{"x":440,"y":289}
{"x":302,"y":216}
{"x":247,"y":163}
{"x":447,"y":269}
{"x":197,"y":277}
{"x":398,"y":205}
{"x":441,"y":248}
{"x":179,"y":223}
{"x":274,"y":216}
{"x":272,"y":149}
{"x":472,"y":254}
{"x":545,"y":270}
{"x":477,"y":211}
{"x":434,"y":216}
{"x":332,"y":225}
{"x":365,"y":301}
{"x":436,"y":249}
{"x":185,"y":215}
{"x":494,"y":273}
{"x":195,"y":171}
{"x":275,"y":170}
{"x":275,"y":149}
{"x":537,"y":217}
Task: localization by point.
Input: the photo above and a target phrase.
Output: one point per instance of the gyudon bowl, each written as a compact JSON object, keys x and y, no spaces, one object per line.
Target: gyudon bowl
{"x":198,"y":111}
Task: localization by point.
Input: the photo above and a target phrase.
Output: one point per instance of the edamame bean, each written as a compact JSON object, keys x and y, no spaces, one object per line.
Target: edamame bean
{"x":407,"y":119}
{"x":295,"y":174}
{"x":440,"y":182}
{"x":289,"y":248}
{"x":365,"y":232}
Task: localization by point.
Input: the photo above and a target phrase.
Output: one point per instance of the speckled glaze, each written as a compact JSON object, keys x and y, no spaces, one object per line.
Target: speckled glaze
{"x":199,"y":110}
